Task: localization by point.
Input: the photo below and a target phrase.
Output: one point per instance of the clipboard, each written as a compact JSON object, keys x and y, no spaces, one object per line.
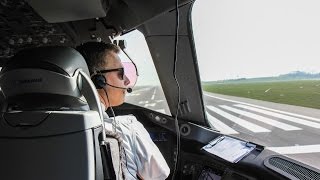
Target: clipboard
{"x":228,"y":148}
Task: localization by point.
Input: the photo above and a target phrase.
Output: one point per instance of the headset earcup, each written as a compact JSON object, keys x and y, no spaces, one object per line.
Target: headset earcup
{"x":99,"y":81}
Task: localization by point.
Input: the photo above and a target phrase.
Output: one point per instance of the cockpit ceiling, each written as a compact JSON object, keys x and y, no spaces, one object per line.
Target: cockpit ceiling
{"x":24,"y":25}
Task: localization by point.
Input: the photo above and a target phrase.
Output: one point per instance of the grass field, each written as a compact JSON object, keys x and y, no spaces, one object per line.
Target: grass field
{"x":304,"y":93}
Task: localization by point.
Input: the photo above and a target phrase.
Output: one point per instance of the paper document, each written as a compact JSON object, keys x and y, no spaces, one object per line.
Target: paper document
{"x":230,"y":149}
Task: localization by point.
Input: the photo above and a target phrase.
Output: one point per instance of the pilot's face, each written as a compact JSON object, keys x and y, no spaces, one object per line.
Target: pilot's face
{"x":115,"y":78}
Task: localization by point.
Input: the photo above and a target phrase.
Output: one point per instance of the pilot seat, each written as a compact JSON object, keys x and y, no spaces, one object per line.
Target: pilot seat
{"x":51,"y":124}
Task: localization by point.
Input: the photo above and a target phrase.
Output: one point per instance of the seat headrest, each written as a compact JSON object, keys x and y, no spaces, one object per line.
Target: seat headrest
{"x":44,"y":77}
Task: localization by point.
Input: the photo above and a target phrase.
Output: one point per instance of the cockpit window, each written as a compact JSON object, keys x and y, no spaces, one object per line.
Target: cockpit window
{"x":147,"y":91}
{"x":260,"y":70}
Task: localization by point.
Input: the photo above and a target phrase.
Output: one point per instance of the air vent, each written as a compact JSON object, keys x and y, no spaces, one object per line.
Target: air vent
{"x":291,"y":168}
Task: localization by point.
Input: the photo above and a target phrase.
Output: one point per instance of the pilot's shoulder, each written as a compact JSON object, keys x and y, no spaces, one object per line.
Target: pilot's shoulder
{"x":127,"y":119}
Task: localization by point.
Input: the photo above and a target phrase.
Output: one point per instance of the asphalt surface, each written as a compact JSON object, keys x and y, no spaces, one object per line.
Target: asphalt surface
{"x":149,"y":97}
{"x":289,"y":130}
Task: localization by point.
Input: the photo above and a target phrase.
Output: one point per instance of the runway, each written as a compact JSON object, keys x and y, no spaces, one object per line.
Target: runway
{"x":290,"y":130}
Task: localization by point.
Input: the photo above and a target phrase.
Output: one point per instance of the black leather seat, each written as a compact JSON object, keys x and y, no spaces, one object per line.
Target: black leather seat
{"x":51,"y":127}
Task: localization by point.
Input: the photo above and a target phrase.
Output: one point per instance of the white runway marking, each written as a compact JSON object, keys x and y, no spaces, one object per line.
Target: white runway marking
{"x":143,"y":89}
{"x":143,"y":102}
{"x":245,"y":124}
{"x":163,"y":111}
{"x":285,"y":117}
{"x":270,"y":109}
{"x":223,"y":128}
{"x":269,"y":121}
{"x":296,"y":149}
{"x":154,"y":93}
{"x":151,"y":104}
{"x":134,"y":94}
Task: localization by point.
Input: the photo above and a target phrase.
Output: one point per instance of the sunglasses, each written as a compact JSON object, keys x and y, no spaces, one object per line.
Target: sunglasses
{"x":120,"y":72}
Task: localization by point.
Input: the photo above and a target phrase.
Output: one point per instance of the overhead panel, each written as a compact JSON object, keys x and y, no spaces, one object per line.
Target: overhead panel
{"x":70,"y":10}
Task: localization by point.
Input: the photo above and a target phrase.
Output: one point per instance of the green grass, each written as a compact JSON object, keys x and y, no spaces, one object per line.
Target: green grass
{"x":304,"y":93}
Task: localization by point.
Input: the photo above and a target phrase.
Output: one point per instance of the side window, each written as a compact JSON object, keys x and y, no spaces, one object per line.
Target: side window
{"x":260,"y":71}
{"x":147,"y":92}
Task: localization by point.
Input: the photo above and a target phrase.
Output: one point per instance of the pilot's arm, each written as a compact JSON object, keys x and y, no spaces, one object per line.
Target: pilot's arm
{"x":150,"y":162}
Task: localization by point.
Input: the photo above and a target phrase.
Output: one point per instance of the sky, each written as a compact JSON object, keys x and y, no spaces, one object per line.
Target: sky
{"x":251,"y":38}
{"x":245,"y":39}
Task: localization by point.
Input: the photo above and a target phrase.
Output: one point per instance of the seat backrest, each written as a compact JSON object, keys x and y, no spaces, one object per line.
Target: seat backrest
{"x":51,"y":126}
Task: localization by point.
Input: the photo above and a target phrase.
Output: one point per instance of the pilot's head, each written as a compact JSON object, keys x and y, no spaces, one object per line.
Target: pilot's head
{"x":106,"y":70}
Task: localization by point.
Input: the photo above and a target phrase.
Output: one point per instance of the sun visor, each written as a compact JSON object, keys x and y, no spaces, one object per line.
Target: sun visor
{"x":69,"y":10}
{"x":46,"y":77}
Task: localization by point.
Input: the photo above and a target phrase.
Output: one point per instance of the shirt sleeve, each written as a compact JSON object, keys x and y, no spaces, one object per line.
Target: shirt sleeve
{"x":150,"y":162}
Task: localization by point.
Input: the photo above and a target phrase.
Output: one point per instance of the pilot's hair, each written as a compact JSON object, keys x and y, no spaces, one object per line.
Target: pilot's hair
{"x":95,"y":52}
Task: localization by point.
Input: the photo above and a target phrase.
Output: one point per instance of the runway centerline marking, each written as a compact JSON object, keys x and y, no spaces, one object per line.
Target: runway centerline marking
{"x":245,"y":124}
{"x":154,"y":93}
{"x":261,"y":107}
{"x":282,"y":116}
{"x":265,"y":120}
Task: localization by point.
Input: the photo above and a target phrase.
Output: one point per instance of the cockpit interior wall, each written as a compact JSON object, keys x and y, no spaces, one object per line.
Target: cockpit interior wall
{"x":161,"y":40}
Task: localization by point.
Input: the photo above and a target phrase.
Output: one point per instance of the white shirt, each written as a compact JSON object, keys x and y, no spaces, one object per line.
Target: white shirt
{"x":143,"y":157}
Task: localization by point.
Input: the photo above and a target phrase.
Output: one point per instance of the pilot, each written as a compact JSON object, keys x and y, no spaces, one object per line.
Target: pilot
{"x":143,"y":160}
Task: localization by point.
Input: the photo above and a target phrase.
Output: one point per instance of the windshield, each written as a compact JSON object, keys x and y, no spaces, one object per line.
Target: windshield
{"x":259,"y":63}
{"x":147,"y":91}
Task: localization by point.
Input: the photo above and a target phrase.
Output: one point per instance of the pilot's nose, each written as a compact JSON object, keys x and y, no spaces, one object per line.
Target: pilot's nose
{"x":126,"y":80}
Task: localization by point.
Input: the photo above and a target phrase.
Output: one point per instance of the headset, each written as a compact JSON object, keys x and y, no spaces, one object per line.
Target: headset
{"x":100,"y":82}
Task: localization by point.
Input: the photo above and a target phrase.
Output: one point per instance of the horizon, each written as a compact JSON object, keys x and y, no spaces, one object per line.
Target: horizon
{"x":250,"y":78}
